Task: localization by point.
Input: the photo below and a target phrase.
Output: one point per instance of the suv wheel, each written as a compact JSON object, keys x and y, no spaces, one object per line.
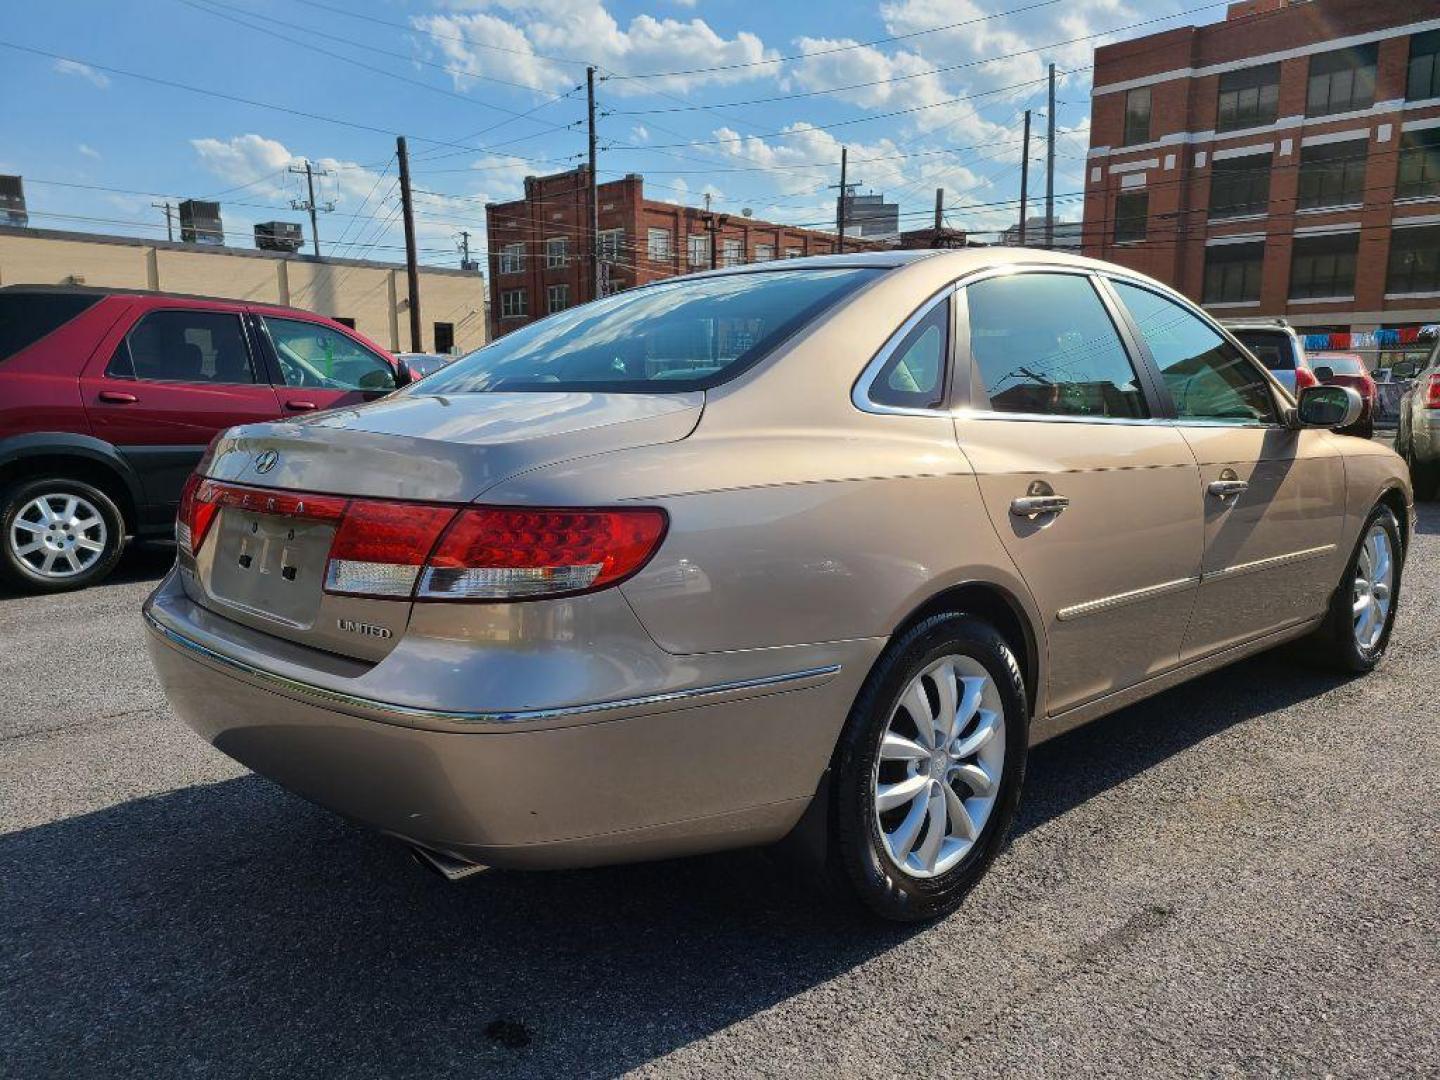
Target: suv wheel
{"x":928,"y":771}
{"x":58,"y":534}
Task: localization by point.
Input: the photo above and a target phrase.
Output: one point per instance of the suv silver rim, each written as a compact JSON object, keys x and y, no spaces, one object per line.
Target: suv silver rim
{"x":58,"y":535}
{"x":1374,"y":585}
{"x":938,"y":771}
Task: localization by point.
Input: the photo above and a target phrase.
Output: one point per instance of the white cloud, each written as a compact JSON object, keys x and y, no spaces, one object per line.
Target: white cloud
{"x":245,"y":159}
{"x":73,"y":67}
{"x":640,"y":133}
{"x":88,"y":151}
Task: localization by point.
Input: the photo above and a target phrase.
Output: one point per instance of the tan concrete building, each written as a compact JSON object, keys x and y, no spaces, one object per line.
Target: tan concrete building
{"x":370,"y":296}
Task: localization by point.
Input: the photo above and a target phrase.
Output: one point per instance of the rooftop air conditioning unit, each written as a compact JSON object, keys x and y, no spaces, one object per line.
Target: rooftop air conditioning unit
{"x":200,"y":223}
{"x":279,"y":236}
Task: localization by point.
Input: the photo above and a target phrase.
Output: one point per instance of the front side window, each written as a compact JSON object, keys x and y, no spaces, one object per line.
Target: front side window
{"x":1419,"y":165}
{"x":1137,"y":116}
{"x":1208,"y":378}
{"x":658,"y":245}
{"x":689,"y":333}
{"x":1422,"y":79}
{"x":1414,"y":260}
{"x":1332,"y":174}
{"x":557,"y":298}
{"x":1248,"y":98}
{"x":555,"y":252}
{"x":1240,"y":186}
{"x":185,"y":347}
{"x":1342,"y":81}
{"x":1044,"y":344}
{"x":914,"y":376}
{"x":1323,"y":266}
{"x":512,"y":258}
{"x":315,"y":355}
{"x":1132,"y":211}
{"x":1232,"y":272}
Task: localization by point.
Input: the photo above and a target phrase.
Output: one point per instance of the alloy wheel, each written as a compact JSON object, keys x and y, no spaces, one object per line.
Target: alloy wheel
{"x":58,"y":535}
{"x":938,"y":769}
{"x":1373,"y":587}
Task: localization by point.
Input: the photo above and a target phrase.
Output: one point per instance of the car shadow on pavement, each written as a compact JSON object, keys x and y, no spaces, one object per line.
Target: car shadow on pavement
{"x":232,"y":929}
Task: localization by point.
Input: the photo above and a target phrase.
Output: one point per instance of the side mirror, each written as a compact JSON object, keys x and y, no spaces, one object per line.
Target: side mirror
{"x":1323,"y":373}
{"x":1328,"y":407}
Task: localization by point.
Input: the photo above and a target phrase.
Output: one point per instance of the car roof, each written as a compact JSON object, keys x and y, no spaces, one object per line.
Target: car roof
{"x":152,"y":294}
{"x":963,"y":260}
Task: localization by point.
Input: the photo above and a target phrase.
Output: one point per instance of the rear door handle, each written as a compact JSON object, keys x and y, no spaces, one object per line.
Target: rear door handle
{"x":118,"y":397}
{"x":300,"y":406}
{"x":1030,"y":506}
{"x":1224,"y":489}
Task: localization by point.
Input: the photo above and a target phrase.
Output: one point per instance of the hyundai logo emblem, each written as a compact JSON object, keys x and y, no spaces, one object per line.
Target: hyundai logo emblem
{"x":266,"y":461}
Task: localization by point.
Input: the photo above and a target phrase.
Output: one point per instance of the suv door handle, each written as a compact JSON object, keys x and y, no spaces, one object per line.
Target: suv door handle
{"x":300,"y":406}
{"x":118,"y":397}
{"x":1223,"y":489}
{"x":1034,"y":505}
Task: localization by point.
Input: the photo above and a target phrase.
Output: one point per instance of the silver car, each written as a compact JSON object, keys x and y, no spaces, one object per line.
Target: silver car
{"x":809,"y":551}
{"x":1417,"y":438}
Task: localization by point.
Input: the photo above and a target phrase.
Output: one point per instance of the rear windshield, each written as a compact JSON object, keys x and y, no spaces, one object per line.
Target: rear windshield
{"x":26,"y":317}
{"x":1340,"y":365}
{"x":684,"y":335}
{"x":1273,"y":348}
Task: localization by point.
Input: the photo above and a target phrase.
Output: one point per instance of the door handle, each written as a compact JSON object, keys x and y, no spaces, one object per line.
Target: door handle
{"x":118,"y":397}
{"x":300,"y":406}
{"x":1031,"y":506}
{"x":1223,"y":489}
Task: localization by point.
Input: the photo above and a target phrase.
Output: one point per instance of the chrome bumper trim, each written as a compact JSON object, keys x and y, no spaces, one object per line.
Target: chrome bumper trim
{"x":407,"y":713}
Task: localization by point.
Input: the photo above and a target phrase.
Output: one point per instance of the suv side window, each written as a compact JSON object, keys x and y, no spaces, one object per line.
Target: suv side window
{"x":184,"y":346}
{"x":1044,"y":344}
{"x":317,"y":356}
{"x":1208,"y":378}
{"x":914,"y":376}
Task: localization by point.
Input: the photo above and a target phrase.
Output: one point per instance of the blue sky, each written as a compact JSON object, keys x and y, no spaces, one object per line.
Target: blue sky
{"x":756,"y":129}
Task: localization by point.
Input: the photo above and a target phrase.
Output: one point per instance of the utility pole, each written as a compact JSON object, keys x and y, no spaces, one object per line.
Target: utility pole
{"x":594,"y":193}
{"x":169,"y":228}
{"x":412,"y":269}
{"x":713,"y":224}
{"x":1050,"y":167}
{"x":840,"y":203}
{"x":1025,"y":178}
{"x":310,"y":172}
{"x":939,"y":209}
{"x":464,"y":249}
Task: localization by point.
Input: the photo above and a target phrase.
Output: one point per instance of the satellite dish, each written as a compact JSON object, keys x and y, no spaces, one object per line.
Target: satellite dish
{"x":747,"y":211}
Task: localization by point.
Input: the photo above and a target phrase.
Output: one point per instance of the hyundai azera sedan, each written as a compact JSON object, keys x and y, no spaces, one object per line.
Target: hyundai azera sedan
{"x":808,"y":551}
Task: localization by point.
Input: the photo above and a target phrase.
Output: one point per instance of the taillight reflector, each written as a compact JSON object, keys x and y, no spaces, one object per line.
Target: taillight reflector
{"x":1432,"y":391}
{"x":1304,"y":377}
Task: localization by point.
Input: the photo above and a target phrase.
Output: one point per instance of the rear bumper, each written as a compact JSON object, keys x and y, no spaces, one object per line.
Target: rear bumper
{"x":723,"y":763}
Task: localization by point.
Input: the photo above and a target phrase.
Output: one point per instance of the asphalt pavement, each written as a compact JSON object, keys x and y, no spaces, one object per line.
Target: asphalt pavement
{"x":1238,"y":877}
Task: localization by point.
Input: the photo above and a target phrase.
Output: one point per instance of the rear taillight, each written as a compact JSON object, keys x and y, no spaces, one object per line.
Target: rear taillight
{"x":491,"y":553}
{"x":1304,"y":377}
{"x":381,"y":546}
{"x":1432,"y":391}
{"x":198,"y":504}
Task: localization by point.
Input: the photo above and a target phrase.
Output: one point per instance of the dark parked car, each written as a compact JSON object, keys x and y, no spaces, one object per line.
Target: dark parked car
{"x":108,"y":398}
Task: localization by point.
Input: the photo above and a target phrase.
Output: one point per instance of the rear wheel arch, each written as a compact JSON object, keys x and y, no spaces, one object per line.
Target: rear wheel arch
{"x":74,"y":457}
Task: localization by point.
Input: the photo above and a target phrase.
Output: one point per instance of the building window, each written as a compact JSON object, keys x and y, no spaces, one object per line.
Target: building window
{"x":1248,"y":98}
{"x":1423,"y":80}
{"x":514,"y":303}
{"x":1232,"y":272}
{"x":698,"y":249}
{"x":611,"y":241}
{"x":1137,"y":116}
{"x":792,"y":253}
{"x":557,"y":298}
{"x":1131,"y":211}
{"x":444,"y":337}
{"x":1342,"y":81}
{"x":1240,"y":186}
{"x":512,"y":258}
{"x":555,"y":252}
{"x":1419,"y":173}
{"x":658,"y":245}
{"x":764,"y":252}
{"x":1323,"y":266}
{"x":730,"y":253}
{"x":1414,"y":260}
{"x":1332,"y":174}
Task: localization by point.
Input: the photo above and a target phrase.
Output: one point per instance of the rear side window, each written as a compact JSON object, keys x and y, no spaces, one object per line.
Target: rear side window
{"x":26,"y":317}
{"x":185,"y":347}
{"x":1272,"y":349}
{"x":1340,"y":365}
{"x":1044,"y":344}
{"x":914,"y":376}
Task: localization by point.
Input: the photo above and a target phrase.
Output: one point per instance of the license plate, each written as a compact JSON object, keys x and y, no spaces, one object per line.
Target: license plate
{"x":271,"y":565}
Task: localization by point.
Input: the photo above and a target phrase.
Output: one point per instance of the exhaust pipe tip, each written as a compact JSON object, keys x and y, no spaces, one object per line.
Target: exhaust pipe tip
{"x":447,"y":866}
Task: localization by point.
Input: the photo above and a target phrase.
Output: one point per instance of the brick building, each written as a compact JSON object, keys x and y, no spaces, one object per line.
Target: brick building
{"x":539,"y":244}
{"x":1285,"y":161}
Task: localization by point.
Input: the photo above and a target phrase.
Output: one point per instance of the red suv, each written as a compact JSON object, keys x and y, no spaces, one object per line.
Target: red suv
{"x":108,"y":399}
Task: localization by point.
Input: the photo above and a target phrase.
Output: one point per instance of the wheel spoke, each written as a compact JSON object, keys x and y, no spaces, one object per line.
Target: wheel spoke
{"x":71,"y":503}
{"x":898,"y":748}
{"x":976,"y":778}
{"x":918,"y":706}
{"x":983,"y":733}
{"x":86,"y":544}
{"x":960,"y":818}
{"x":1361,"y":603}
{"x":935,"y":831}
{"x":49,"y":564}
{"x":944,"y":677}
{"x":86,"y":524}
{"x":29,"y":526}
{"x":889,"y":796}
{"x":70,"y":560}
{"x":903,"y":838}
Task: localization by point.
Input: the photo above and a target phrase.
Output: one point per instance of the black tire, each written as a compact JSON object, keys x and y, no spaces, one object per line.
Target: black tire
{"x":1335,"y":638}
{"x":19,"y":573}
{"x":859,"y":865}
{"x":1424,"y":476}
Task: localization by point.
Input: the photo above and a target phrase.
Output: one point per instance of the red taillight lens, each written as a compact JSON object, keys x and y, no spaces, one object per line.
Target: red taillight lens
{"x":510,"y":554}
{"x":198,"y":504}
{"x":1432,"y":391}
{"x":1304,"y":377}
{"x":382,"y":545}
